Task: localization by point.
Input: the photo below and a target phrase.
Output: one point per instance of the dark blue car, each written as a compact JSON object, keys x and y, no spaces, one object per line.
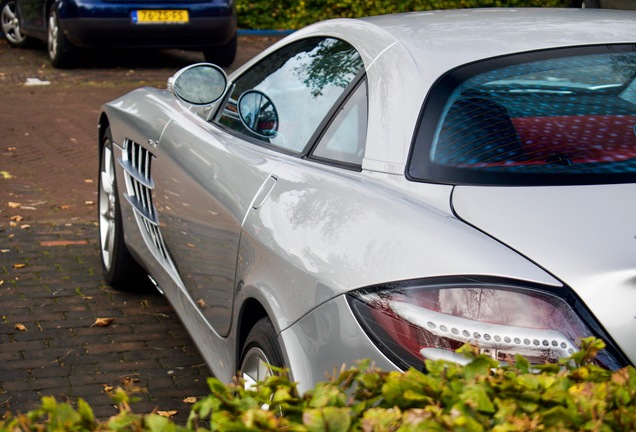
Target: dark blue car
{"x":69,"y":25}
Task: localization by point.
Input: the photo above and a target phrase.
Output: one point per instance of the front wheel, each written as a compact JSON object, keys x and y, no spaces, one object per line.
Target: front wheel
{"x":260,"y":350}
{"x":120,"y":269}
{"x":62,"y":53}
{"x":221,"y":55}
{"x":10,"y":24}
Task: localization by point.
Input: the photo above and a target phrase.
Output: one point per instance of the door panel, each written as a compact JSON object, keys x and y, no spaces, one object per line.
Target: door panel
{"x":205,"y":181}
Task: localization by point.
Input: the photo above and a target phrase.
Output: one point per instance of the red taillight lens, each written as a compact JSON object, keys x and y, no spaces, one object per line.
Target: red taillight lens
{"x":430,"y":322}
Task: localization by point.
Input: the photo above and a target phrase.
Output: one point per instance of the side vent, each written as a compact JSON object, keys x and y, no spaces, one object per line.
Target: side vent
{"x":137,"y":162}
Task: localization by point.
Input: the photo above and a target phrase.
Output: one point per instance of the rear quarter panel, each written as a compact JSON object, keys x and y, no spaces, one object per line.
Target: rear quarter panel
{"x":324,"y":231}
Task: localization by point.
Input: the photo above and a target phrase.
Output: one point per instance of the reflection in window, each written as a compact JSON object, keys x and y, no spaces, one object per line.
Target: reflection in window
{"x":557,"y":117}
{"x":303,"y":81}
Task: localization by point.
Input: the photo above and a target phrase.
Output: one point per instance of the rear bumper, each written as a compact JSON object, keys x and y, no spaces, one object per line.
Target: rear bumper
{"x":122,"y":33}
{"x":323,"y":340}
{"x":110,"y":24}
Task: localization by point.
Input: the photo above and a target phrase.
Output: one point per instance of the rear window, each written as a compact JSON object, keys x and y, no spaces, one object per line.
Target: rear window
{"x":555,"y":117}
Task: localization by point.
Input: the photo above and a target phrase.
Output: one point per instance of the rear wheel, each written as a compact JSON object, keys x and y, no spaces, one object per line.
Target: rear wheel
{"x":62,"y":53}
{"x":260,"y":350}
{"x":120,"y":268}
{"x":10,"y":24}
{"x":221,"y":55}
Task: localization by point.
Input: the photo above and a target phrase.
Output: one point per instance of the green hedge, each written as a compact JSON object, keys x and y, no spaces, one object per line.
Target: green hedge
{"x":481,"y":396}
{"x":294,"y":14}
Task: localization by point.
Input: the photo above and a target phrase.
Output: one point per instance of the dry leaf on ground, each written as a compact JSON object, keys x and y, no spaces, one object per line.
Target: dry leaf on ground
{"x":167,"y":413}
{"x":20,"y":327}
{"x":103,"y":322}
{"x":14,"y":204}
{"x":19,"y":266}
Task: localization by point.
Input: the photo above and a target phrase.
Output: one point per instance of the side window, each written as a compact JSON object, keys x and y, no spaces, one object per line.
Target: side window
{"x":345,"y":137}
{"x":284,"y":97}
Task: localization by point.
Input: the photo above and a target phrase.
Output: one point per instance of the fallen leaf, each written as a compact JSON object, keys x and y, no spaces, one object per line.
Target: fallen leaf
{"x":25,"y":226}
{"x":190,"y":400}
{"x":108,"y":388}
{"x":14,"y":204}
{"x":11,"y":149}
{"x":5,"y":175}
{"x":129,"y":380}
{"x":103,"y":322}
{"x":63,"y":206}
{"x":4,"y":251}
{"x":89,"y":202}
{"x":202,"y":304}
{"x":167,"y":413}
{"x":88,"y":180}
{"x":17,"y":218}
{"x":20,"y":327}
{"x":19,"y":266}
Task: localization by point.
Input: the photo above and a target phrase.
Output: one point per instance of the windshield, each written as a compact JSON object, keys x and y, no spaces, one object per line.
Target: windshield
{"x":557,"y":117}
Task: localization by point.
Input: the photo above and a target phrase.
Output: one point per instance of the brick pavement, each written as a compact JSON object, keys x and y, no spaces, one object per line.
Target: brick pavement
{"x":52,"y":293}
{"x":51,"y":285}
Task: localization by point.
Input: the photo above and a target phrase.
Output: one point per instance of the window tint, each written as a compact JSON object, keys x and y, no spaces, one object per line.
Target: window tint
{"x":301,"y":82}
{"x":345,"y":137}
{"x":565,"y":119}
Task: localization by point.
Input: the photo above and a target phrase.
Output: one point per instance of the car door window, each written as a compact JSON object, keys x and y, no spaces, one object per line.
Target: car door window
{"x":344,"y":139}
{"x":297,"y":85}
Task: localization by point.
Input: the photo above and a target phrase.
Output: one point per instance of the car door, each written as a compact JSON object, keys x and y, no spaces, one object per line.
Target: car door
{"x":208,"y":175}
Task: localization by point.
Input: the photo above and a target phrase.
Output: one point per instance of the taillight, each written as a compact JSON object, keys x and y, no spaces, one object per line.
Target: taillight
{"x":412,"y":322}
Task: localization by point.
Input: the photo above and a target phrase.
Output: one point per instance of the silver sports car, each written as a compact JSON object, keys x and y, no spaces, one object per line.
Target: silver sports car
{"x":388,"y":188}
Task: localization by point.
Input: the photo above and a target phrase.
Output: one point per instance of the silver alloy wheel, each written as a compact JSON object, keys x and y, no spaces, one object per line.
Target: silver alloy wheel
{"x":11,"y":23}
{"x":255,"y":367}
{"x":53,"y":34}
{"x":107,"y":207}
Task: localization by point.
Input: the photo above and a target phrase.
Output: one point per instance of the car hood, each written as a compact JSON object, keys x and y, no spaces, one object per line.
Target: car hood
{"x":583,"y":235}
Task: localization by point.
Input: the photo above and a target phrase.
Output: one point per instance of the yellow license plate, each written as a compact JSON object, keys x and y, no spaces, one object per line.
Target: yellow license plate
{"x":155,"y":16}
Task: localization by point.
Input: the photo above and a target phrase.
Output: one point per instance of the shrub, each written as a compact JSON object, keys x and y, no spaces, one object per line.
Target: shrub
{"x":294,"y":14}
{"x":481,"y":396}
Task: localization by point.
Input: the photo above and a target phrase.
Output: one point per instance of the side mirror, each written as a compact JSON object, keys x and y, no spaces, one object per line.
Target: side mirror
{"x":198,"y":84}
{"x":258,"y":113}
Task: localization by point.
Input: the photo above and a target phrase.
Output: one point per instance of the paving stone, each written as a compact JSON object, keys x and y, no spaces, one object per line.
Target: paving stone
{"x":49,"y":148}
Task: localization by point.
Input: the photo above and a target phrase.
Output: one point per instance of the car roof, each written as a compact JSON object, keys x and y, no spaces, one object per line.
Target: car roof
{"x":405,"y":54}
{"x":458,"y":37}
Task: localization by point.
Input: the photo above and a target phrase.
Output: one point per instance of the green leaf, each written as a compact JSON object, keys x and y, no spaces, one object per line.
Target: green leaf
{"x":327,"y":419}
{"x":326,"y":394}
{"x":157,"y":423}
{"x":480,"y":366}
{"x":85,"y":411}
{"x":475,"y":396}
{"x":378,"y":419}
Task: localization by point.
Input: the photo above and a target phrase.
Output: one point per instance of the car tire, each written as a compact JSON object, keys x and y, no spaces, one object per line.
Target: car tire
{"x":260,"y":350}
{"x":62,"y":53}
{"x":121,"y":271}
{"x":10,"y":24}
{"x":222,"y":55}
